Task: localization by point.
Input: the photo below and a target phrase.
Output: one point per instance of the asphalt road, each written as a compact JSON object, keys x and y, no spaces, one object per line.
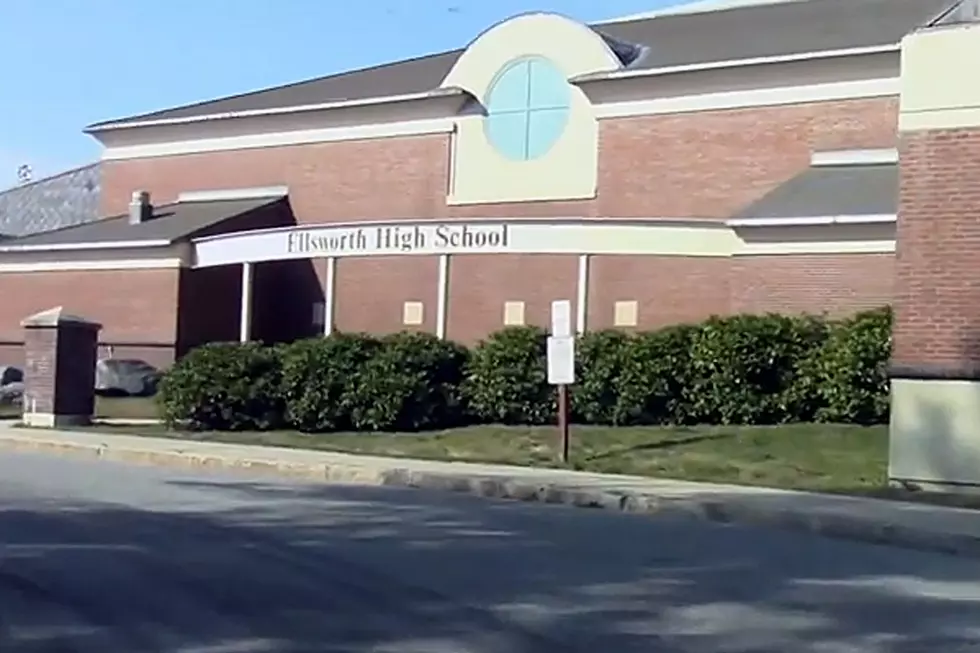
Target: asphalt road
{"x":106,"y":558}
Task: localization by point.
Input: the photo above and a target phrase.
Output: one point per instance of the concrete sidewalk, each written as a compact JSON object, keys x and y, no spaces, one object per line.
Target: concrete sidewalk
{"x":917,"y":526}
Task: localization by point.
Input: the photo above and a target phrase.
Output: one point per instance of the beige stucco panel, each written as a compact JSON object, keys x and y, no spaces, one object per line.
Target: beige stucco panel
{"x":570,"y":169}
{"x":626,"y":313}
{"x":935,"y":431}
{"x":413,"y":313}
{"x":513,"y":313}
{"x":940,"y":88}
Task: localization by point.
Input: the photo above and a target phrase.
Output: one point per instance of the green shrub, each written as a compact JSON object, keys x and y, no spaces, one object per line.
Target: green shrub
{"x":411,"y":382}
{"x":748,"y":369}
{"x":319,"y":378}
{"x":507,"y":378}
{"x":654,"y":372}
{"x":743,"y":368}
{"x":224,"y":387}
{"x":598,"y":365}
{"x":851,"y":369}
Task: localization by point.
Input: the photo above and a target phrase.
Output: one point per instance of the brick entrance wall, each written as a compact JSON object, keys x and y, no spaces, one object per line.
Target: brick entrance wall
{"x":935,"y":372}
{"x":938,"y":266}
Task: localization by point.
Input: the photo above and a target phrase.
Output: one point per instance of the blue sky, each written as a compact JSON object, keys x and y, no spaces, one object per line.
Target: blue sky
{"x":68,"y":63}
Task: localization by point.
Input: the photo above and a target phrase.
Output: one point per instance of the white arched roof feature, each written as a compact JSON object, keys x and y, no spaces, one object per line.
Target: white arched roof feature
{"x":572,"y":46}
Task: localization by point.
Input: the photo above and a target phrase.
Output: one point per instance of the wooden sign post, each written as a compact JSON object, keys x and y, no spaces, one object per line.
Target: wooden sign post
{"x":561,"y":366}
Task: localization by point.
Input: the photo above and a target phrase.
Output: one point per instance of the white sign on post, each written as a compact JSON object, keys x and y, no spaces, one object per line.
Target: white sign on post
{"x":561,"y":360}
{"x":561,"y":345}
{"x":561,"y":318}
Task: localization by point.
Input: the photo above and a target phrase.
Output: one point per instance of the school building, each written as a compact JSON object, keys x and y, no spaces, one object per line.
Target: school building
{"x":726,"y":157}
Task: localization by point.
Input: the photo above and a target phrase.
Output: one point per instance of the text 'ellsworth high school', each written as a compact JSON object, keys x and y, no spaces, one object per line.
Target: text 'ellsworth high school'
{"x":415,"y":238}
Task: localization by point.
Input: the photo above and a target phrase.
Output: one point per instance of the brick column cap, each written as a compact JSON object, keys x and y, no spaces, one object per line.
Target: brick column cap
{"x":54,"y":317}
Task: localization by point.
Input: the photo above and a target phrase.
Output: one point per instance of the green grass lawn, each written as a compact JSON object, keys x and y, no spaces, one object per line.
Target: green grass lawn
{"x":105,"y":407}
{"x":823,"y":457}
{"x":818,"y":457}
{"x":808,"y":456}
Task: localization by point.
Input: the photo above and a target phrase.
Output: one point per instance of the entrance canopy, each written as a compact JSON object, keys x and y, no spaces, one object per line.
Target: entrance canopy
{"x":470,"y":236}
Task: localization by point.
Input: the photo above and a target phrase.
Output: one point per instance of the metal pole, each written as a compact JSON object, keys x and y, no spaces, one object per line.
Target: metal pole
{"x":563,"y":422}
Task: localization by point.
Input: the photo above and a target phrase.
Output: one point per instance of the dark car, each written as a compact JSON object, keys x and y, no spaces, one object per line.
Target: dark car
{"x":120,"y":377}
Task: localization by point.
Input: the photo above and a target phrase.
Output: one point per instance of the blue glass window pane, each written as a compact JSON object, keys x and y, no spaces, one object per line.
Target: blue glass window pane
{"x":527,"y":109}
{"x":510,"y":90}
{"x":508,"y":133}
{"x":544,"y":130}
{"x":549,"y":88}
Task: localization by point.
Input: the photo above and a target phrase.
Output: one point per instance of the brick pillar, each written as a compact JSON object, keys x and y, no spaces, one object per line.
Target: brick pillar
{"x":935,"y":400}
{"x":59,"y":372}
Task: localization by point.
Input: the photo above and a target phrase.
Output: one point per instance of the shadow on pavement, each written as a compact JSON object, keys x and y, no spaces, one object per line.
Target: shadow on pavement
{"x":273,"y":567}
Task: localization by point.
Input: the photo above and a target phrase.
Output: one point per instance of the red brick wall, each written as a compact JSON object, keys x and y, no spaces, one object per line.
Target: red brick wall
{"x":479,"y":286}
{"x":711,"y":164}
{"x":371,"y":292}
{"x":136,"y":307}
{"x":353,"y":180}
{"x":668,"y":289}
{"x":937,"y":308}
{"x":706,"y":164}
{"x":835,"y":284}
{"x":691,"y":164}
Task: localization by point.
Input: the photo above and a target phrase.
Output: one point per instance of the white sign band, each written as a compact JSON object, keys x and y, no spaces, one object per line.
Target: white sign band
{"x":550,"y":236}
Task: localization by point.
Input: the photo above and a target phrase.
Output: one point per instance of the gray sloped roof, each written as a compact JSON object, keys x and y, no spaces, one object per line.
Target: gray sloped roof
{"x":399,"y":78}
{"x":774,"y":29}
{"x":170,"y":223}
{"x":831,"y":191}
{"x":63,"y":200}
{"x":670,"y":40}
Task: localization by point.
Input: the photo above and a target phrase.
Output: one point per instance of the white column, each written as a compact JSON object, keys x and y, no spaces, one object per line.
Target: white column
{"x":329,"y":295}
{"x":582,"y":294}
{"x":442,"y":295}
{"x":245,"y":319}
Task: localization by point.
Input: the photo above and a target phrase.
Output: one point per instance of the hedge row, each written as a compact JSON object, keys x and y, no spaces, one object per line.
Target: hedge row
{"x":745,"y":369}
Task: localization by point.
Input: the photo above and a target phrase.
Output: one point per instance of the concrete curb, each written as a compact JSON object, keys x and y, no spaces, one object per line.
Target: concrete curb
{"x":396,"y":473}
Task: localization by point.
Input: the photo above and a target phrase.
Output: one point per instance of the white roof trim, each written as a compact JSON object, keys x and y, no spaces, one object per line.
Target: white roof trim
{"x":71,"y":247}
{"x":777,"y":96}
{"x":278,"y":138}
{"x":323,"y":106}
{"x":220,"y":195}
{"x":811,"y":221}
{"x":854,"y":157}
{"x":629,"y":73}
{"x":99,"y":263}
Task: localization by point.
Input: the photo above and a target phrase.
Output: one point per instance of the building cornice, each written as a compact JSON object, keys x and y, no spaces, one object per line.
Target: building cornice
{"x":334,"y":105}
{"x":845,"y":53}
